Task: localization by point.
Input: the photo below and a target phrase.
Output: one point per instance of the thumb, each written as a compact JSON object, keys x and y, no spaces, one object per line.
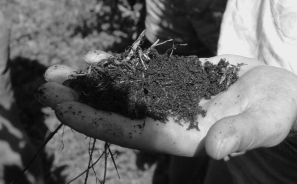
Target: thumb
{"x":243,"y":132}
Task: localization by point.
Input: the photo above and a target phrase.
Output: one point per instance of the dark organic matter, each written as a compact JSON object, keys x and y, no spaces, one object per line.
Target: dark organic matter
{"x":143,"y":83}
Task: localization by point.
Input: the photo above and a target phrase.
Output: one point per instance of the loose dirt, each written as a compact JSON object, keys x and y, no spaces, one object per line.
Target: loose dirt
{"x":143,"y":83}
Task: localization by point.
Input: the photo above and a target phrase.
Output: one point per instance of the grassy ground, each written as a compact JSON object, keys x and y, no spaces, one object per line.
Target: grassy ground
{"x":47,"y":32}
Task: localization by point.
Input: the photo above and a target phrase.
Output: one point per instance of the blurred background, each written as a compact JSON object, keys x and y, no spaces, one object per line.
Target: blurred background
{"x":48,"y":32}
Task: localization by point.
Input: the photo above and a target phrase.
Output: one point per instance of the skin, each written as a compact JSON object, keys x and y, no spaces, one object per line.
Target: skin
{"x":259,"y":110}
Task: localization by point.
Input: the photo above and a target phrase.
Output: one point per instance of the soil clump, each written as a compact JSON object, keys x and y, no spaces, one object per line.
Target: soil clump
{"x":143,"y":83}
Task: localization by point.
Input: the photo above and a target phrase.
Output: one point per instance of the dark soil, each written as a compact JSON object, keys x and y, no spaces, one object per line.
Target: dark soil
{"x":143,"y":83}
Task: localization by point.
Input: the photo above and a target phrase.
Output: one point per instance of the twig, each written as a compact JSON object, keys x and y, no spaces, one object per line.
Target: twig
{"x":157,"y":44}
{"x":114,"y":162}
{"x":38,"y":152}
{"x":137,"y":42}
{"x":90,"y":160}
{"x":106,"y":146}
{"x":174,"y":47}
{"x":154,"y":44}
{"x":87,"y":168}
{"x":134,"y":47}
{"x":140,"y":54}
{"x":170,"y":40}
{"x":95,"y":174}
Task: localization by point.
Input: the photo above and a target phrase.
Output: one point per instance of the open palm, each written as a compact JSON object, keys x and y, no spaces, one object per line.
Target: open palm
{"x":258,"y":110}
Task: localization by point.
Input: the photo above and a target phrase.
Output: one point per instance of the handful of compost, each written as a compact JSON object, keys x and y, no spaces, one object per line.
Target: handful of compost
{"x":153,"y":89}
{"x":143,"y":83}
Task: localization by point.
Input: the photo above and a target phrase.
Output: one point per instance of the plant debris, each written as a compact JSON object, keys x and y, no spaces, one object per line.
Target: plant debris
{"x":143,"y":83}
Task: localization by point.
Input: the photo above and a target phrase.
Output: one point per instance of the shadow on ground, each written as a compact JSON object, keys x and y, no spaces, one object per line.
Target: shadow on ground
{"x":27,"y":76}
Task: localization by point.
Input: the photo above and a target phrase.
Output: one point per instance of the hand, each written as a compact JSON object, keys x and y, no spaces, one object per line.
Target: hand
{"x":258,"y":110}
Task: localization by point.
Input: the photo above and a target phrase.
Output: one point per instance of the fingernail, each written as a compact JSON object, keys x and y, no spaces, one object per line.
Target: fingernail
{"x":227,"y":146}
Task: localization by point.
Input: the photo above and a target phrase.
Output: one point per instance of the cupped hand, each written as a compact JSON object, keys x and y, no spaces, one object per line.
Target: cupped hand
{"x":259,"y":110}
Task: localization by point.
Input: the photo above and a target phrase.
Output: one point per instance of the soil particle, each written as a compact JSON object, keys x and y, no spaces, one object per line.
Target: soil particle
{"x":111,"y":128}
{"x":61,"y":114}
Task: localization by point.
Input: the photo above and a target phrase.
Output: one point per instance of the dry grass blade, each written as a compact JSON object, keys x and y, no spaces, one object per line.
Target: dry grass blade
{"x":137,"y":42}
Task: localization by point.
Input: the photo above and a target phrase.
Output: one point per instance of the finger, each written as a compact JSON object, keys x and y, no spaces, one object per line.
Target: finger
{"x":246,"y":131}
{"x":95,"y":56}
{"x":230,"y":135}
{"x":52,"y":93}
{"x":58,"y":73}
{"x":147,"y":134}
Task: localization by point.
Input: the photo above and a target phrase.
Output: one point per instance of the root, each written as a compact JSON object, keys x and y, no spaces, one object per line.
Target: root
{"x":38,"y":152}
{"x":90,"y":160}
{"x":88,"y":168}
